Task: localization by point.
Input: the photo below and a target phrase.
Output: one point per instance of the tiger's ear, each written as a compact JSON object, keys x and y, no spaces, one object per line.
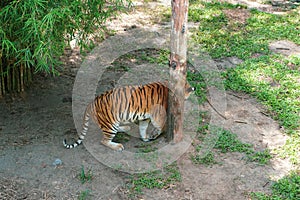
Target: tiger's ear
{"x":188,"y":90}
{"x":191,"y":89}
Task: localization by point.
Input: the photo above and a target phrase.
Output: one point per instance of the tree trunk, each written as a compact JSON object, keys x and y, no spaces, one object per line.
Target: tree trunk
{"x":177,"y":69}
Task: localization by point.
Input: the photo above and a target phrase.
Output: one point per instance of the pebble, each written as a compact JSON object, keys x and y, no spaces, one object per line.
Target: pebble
{"x":57,"y":162}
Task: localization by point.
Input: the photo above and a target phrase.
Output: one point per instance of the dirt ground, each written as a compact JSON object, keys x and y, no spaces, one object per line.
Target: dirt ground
{"x":33,"y":125}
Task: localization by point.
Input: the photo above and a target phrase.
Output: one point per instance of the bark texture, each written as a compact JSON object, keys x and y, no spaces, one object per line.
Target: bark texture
{"x":178,"y":57}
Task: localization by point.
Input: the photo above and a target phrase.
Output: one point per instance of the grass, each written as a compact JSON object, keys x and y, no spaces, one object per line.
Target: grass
{"x":85,"y":176}
{"x":271,"y":78}
{"x":223,"y":36}
{"x":291,"y":149}
{"x":229,"y":142}
{"x":157,"y":179}
{"x":287,"y":188}
{"x":261,"y":157}
{"x":84,"y":195}
{"x":207,"y":160}
{"x":121,"y":138}
{"x":147,"y":147}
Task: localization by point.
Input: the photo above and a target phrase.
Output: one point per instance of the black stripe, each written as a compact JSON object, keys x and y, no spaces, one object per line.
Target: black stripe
{"x":135,"y":115}
{"x":140,"y":97}
{"x":114,"y":128}
{"x":127,"y":113}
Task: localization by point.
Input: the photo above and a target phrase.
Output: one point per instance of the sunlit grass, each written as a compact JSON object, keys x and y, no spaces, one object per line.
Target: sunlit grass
{"x":271,"y":78}
{"x":136,"y":183}
{"x":222,"y":36}
{"x":287,"y":188}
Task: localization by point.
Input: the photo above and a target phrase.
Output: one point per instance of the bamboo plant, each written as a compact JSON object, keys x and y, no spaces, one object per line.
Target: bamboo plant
{"x":34,"y":33}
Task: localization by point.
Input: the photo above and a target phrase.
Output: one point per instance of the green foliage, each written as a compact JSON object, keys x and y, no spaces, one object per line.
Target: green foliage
{"x":261,"y":157}
{"x":121,"y":138}
{"x":287,"y":188}
{"x":222,"y":36}
{"x":157,"y":179}
{"x":272,"y":80}
{"x":291,"y":149}
{"x":207,"y":160}
{"x":84,"y":195}
{"x":196,"y":80}
{"x":85,"y":176}
{"x":34,"y":33}
{"x":147,"y":148}
{"x":228,"y":142}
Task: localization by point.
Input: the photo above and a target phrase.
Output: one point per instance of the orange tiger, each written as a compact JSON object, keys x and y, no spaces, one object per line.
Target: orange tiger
{"x":142,"y":103}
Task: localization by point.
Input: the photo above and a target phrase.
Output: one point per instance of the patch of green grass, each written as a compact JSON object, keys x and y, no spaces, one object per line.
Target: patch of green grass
{"x":121,"y":138}
{"x":207,"y":160}
{"x":119,"y":67}
{"x":85,"y":176}
{"x":196,"y":80}
{"x":158,"y":179}
{"x":84,"y":195}
{"x":272,"y":80}
{"x":261,"y":157}
{"x":141,"y":56}
{"x":291,"y":149}
{"x":287,"y":188}
{"x":147,"y":147}
{"x":223,"y":37}
{"x":229,"y":142}
{"x":162,"y":57}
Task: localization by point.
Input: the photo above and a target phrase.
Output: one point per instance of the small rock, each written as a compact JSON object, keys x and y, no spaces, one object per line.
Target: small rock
{"x":57,"y":162}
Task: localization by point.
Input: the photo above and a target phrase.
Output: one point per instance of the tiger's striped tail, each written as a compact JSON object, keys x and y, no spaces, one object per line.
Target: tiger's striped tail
{"x":85,"y":128}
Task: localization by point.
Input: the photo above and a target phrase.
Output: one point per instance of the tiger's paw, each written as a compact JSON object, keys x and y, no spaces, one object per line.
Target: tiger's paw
{"x":113,"y":145}
{"x":145,"y":139}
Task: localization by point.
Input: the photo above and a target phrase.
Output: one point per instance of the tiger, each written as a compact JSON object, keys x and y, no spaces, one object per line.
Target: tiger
{"x":140,"y":104}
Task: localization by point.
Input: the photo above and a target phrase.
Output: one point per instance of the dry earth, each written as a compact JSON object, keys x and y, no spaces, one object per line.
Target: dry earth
{"x":33,"y":125}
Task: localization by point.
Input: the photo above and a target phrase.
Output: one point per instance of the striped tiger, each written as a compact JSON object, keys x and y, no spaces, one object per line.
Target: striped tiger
{"x":142,"y":103}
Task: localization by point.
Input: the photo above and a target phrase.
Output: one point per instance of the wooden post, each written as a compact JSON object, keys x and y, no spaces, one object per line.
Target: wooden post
{"x":177,"y":69}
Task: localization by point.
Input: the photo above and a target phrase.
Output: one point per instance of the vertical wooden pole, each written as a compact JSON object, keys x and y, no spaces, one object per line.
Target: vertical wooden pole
{"x":178,"y":57}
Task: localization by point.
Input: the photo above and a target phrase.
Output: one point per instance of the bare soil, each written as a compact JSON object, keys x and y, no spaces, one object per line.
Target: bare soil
{"x":33,"y":125}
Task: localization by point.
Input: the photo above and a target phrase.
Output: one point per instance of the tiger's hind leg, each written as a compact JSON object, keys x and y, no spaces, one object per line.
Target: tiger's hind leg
{"x":124,"y":128}
{"x":108,"y":136}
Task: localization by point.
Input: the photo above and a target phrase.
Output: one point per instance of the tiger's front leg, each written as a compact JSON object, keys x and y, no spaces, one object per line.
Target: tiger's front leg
{"x":143,"y":125}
